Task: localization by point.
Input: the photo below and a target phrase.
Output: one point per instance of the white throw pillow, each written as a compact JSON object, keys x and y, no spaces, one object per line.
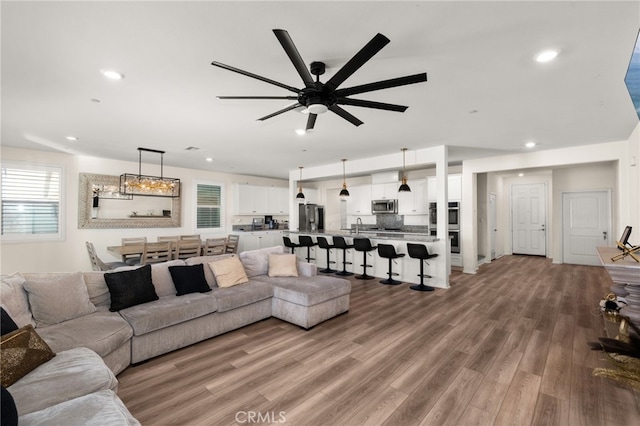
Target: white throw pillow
{"x":229,"y":271}
{"x":283,"y":265}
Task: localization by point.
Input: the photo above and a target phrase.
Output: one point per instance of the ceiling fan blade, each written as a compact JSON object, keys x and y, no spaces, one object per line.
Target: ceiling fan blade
{"x":289,"y":108}
{"x":291,"y":98}
{"x":311,"y":121}
{"x":344,"y":114}
{"x":383,"y":84}
{"x":291,"y":50}
{"x":257,"y":77}
{"x":371,"y":104}
{"x":374,"y":46}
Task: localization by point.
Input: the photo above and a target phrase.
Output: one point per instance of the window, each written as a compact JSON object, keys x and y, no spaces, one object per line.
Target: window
{"x":209,"y":208}
{"x":31,"y":202}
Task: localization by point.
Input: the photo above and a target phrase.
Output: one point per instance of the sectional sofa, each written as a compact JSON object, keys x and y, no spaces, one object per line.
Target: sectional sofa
{"x":74,"y":314}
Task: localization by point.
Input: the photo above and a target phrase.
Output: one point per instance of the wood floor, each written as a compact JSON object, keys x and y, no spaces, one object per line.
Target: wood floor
{"x":506,"y":346}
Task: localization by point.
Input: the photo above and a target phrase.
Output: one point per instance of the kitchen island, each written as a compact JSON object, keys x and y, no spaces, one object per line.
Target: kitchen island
{"x":407,"y":268}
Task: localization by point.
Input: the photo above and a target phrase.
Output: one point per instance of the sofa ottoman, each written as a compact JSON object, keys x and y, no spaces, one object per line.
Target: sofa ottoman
{"x":309,"y":301}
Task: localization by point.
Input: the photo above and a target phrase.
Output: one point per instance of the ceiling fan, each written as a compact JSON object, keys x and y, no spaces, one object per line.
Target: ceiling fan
{"x":318,"y":97}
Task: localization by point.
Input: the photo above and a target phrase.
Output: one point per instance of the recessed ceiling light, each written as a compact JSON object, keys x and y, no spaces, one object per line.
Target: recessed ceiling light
{"x":71,"y":138}
{"x":112,"y":75}
{"x":547,"y":55}
{"x":520,"y":174}
{"x":530,"y":144}
{"x":209,"y":159}
{"x":301,"y":132}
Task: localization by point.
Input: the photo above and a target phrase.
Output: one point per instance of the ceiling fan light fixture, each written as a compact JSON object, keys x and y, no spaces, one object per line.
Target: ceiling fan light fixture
{"x":404,"y":187}
{"x":317,"y":109}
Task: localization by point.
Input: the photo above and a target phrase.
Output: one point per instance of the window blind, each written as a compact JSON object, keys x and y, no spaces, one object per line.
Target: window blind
{"x":209,"y":206}
{"x":31,"y":198}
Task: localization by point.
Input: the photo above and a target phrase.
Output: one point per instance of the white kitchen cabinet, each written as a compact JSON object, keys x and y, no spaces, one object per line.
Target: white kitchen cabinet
{"x":359,"y":200}
{"x":414,"y":202}
{"x":310,"y":195}
{"x":455,"y":188}
{"x":384,"y":191}
{"x":259,"y":239}
{"x":251,"y":199}
{"x":277,"y":200}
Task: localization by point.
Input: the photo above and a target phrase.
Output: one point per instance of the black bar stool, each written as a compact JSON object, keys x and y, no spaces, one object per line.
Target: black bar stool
{"x":389,"y":252}
{"x":419,"y":251}
{"x":307,"y":241}
{"x":364,"y":245}
{"x":340,"y":243}
{"x":288,"y":243}
{"x":324,"y":244}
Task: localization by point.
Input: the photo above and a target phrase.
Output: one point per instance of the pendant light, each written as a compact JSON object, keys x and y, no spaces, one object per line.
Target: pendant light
{"x":344,"y":193}
{"x":404,"y":187}
{"x":300,"y":195}
{"x":152,"y":186}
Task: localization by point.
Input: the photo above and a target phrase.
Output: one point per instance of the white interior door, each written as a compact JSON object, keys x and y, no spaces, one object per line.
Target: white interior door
{"x":586,"y":224}
{"x":528,"y":219}
{"x":492,"y":223}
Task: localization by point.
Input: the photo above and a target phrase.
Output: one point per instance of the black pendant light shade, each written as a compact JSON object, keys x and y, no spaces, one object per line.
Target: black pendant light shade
{"x":404,"y":187}
{"x":344,"y":192}
{"x":300,"y":195}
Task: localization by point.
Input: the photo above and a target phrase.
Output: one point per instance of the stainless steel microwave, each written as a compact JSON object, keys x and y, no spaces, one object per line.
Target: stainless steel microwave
{"x":384,"y":206}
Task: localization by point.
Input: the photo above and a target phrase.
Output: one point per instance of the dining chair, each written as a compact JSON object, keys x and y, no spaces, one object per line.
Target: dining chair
{"x":133,"y":259}
{"x":97,"y":264}
{"x":214,"y":246}
{"x":187,"y":248}
{"x":156,"y":252}
{"x":232,"y":243}
{"x":169,"y":238}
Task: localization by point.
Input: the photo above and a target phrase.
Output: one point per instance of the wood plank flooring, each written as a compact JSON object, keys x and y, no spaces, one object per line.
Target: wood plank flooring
{"x":506,"y":346}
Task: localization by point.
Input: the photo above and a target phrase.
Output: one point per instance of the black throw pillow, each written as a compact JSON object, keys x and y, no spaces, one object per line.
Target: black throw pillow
{"x":189,"y":279}
{"x":9,"y":413}
{"x":7,"y":323}
{"x":130,"y":288}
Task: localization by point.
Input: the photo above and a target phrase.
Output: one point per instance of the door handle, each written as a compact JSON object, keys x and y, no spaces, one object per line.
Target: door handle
{"x":604,"y":233}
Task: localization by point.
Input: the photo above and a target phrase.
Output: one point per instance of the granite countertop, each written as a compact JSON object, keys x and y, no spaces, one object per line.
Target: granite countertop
{"x":378,"y":235}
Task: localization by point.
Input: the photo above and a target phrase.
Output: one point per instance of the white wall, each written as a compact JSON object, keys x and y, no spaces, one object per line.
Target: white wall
{"x":71,"y":254}
{"x":573,"y":166}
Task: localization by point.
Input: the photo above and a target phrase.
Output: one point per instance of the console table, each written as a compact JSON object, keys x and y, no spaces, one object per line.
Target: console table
{"x":625,"y":274}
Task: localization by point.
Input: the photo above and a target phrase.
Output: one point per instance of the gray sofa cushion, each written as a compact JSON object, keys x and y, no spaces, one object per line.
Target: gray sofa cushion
{"x":98,"y":408}
{"x":308,"y":291}
{"x":101,"y":331}
{"x":168,"y":310}
{"x":97,"y":288}
{"x":242,"y":294}
{"x":15,"y":300}
{"x":57,"y":297}
{"x":68,"y":375}
{"x":256,"y":262}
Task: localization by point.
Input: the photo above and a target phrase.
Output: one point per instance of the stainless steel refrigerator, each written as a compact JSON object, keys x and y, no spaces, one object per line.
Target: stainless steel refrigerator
{"x":310,"y":218}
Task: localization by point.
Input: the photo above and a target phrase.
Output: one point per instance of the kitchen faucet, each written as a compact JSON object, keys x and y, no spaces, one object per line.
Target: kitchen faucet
{"x":358,"y":222}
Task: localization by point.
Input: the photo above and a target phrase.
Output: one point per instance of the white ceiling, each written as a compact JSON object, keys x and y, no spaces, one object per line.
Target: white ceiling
{"x":485,"y":95}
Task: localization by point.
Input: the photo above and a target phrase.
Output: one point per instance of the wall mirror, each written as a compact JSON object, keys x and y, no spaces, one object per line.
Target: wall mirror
{"x":100,"y":205}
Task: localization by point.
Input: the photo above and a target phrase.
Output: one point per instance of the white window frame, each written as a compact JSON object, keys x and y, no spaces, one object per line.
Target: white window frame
{"x":222,"y":206}
{"x":28,"y":238}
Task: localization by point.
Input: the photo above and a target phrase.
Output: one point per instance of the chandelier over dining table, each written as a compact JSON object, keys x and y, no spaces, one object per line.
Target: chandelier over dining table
{"x":153,"y":186}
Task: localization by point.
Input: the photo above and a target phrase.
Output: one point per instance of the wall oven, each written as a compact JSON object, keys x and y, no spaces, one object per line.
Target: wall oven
{"x":454,"y":214}
{"x":454,"y":234}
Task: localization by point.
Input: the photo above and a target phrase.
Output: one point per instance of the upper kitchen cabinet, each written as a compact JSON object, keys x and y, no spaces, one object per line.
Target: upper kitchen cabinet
{"x":384,"y":191}
{"x":251,"y":199}
{"x":455,"y":188}
{"x":414,"y":202}
{"x":359,"y":200}
{"x":277,"y":200}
